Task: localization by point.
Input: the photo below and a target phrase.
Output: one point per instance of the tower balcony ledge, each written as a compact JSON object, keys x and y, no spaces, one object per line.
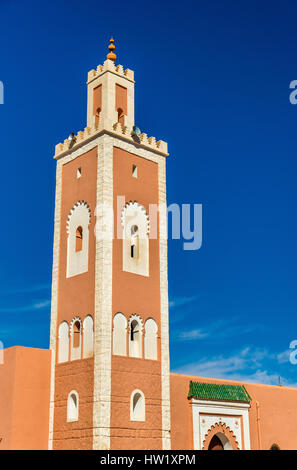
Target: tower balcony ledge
{"x":116,"y":129}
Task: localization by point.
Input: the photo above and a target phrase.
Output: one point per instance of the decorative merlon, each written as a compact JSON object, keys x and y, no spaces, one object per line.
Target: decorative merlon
{"x":115,"y":129}
{"x":110,"y":66}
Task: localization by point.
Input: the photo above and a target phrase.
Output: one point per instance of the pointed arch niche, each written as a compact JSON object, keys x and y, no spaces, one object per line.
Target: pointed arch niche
{"x":63,"y":347}
{"x":75,"y":333}
{"x":135,"y":223}
{"x":119,"y":342}
{"x":135,"y":336}
{"x":88,"y":337}
{"x":78,"y":239}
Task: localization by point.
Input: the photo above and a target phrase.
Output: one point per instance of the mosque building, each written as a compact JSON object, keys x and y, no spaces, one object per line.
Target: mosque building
{"x":105,"y":382}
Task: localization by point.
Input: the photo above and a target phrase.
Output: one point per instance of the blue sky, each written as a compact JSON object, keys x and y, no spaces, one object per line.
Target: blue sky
{"x":212,"y":79}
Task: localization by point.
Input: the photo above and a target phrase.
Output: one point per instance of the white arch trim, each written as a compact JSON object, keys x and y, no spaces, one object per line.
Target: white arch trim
{"x":137,"y":406}
{"x":207,"y":413}
{"x":135,"y":346}
{"x":150,"y":339}
{"x":77,"y":261}
{"x":72,"y":406}
{"x":63,"y":342}
{"x":225,"y":442}
{"x":119,"y":339}
{"x":75,"y":351}
{"x":134,"y":214}
{"x":88,"y":336}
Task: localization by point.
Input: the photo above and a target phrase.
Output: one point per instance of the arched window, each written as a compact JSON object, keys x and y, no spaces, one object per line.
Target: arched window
{"x":135,"y":224}
{"x":137,"y":406}
{"x":97,"y":102}
{"x":76,"y":334}
{"x":134,"y":242}
{"x":72,"y":406}
{"x":78,"y":239}
{"x":119,"y":342}
{"x":63,"y":337}
{"x":88,"y":337}
{"x":121,"y":116}
{"x":97,"y":115}
{"x":75,"y":339}
{"x":121,"y":103}
{"x":150,"y":339}
{"x":135,"y":336}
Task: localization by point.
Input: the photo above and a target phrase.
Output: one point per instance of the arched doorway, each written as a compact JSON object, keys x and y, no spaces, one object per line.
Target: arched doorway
{"x":215,"y":444}
{"x":219,"y":442}
{"x":220,"y":437}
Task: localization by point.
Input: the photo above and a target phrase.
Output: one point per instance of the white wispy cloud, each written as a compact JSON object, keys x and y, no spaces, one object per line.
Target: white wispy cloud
{"x":26,"y":307}
{"x":43,"y":304}
{"x":220,"y":329}
{"x":26,"y":290}
{"x":192,"y":334}
{"x":180,"y":301}
{"x":16,"y":303}
{"x":246,"y":365}
{"x":283,"y":356}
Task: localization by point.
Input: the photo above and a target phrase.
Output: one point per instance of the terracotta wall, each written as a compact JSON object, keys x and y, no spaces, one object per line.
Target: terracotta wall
{"x":276,"y":413}
{"x":7,"y":378}
{"x":135,"y":294}
{"x":76,"y":298}
{"x":24,"y":398}
{"x":74,"y":375}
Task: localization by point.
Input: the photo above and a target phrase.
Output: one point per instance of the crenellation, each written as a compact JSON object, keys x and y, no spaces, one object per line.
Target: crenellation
{"x":109,"y":65}
{"x":151,"y":140}
{"x":91,"y":74}
{"x":144,"y":138}
{"x":116,"y":129}
{"x":80,"y":136}
{"x":119,"y":69}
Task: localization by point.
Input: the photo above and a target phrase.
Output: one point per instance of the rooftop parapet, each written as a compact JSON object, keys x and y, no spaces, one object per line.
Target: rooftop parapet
{"x":116,"y":129}
{"x":110,"y":66}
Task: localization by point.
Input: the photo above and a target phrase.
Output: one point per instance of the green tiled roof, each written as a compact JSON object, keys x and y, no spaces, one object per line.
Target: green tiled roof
{"x":213,"y":391}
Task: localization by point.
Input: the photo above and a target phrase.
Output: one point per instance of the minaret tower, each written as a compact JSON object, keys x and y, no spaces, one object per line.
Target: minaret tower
{"x":109,"y":315}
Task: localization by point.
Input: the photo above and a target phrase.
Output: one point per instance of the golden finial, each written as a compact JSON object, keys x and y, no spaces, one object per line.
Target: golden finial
{"x":111,"y":56}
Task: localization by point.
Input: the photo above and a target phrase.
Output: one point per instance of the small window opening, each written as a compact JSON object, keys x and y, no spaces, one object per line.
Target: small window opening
{"x":134,"y":171}
{"x":97,"y":115}
{"x":121,"y":116}
{"x":134,"y":241}
{"x":72,"y":407}
{"x":78,"y":173}
{"x":134,"y":331}
{"x":137,"y":412}
{"x":76,"y":334}
{"x":79,"y":239}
